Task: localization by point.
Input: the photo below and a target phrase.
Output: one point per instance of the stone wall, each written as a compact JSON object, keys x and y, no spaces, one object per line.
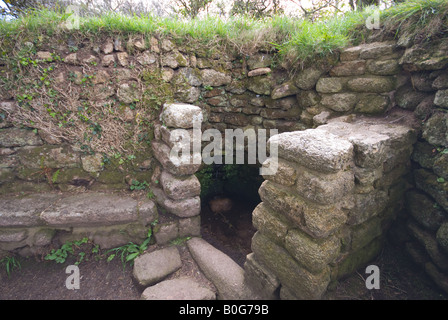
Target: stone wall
{"x":326,"y":211}
{"x":126,"y":81}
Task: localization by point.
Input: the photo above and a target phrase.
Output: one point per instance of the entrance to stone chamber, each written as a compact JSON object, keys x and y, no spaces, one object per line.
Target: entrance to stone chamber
{"x":229,"y":194}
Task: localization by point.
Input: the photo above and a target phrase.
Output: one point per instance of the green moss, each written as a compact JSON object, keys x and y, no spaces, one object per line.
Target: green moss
{"x":359,"y":258}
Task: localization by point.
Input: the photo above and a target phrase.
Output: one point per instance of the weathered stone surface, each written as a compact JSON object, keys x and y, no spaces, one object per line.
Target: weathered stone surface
{"x":259,"y":61}
{"x":409,"y":98}
{"x":424,"y":210}
{"x":429,"y":242}
{"x":441,"y":82}
{"x":147,"y":58}
{"x":187,"y":75}
{"x":91,"y":209}
{"x":190,"y":227}
{"x":220,"y":269}
{"x":292,"y":113}
{"x":315,"y":149}
{"x":72,"y":58}
{"x":308,"y":98}
{"x":340,"y":102}
{"x":427,"y":181}
{"x":260,"y":85}
{"x":372,"y":104}
{"x":441,"y":166}
{"x":92,"y":163}
{"x":260,"y":279}
{"x":128,"y":92}
{"x":441,"y":98}
{"x":49,"y":156}
{"x":302,"y":283}
{"x":16,"y":137}
{"x":324,"y":188}
{"x":435,"y":129}
{"x":439,"y":278}
{"x":152,"y":267}
{"x":259,"y":72}
{"x":178,"y":289}
{"x":330,"y":85}
{"x":108,"y":60}
{"x":367,"y":206}
{"x":166,"y":232}
{"x":350,"y":68}
{"x":174,"y":60}
{"x":313,"y":254}
{"x":13,"y":235}
{"x":429,"y":58}
{"x":359,"y":258}
{"x":424,"y":154}
{"x":317,"y":220}
{"x":442,"y":237}
{"x":286,"y":173}
{"x":307,"y":78}
{"x":270,"y":223}
{"x":284,"y":90}
{"x":366,"y":232}
{"x":178,"y":188}
{"x":377,"y":49}
{"x":179,"y":115}
{"x":375,"y":84}
{"x":25,"y":211}
{"x":183,"y":208}
{"x":383,"y":67}
{"x":214,"y":78}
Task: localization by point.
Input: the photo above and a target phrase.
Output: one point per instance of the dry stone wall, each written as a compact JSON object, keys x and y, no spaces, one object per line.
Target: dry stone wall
{"x":337,"y":189}
{"x":325,"y":212}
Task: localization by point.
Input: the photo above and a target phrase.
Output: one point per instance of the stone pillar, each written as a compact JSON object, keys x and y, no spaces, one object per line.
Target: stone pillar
{"x":324,"y":213}
{"x":176,"y":187}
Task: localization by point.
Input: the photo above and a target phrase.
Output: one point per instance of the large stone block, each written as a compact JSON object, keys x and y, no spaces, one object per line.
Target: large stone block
{"x":435,"y":129}
{"x":324,"y":188}
{"x":367,"y":206}
{"x":270,"y":222}
{"x":91,"y":209}
{"x":25,"y":211}
{"x":374,"y":84}
{"x":315,"y":149}
{"x":16,"y":137}
{"x":428,"y":182}
{"x":340,"y":102}
{"x":302,"y":283}
{"x":424,"y":210}
{"x":260,"y":279}
{"x":152,"y":267}
{"x":184,"y":208}
{"x":313,"y":254}
{"x":183,"y":164}
{"x":286,"y":172}
{"x":317,"y":220}
{"x":179,"y":115}
{"x":178,"y":188}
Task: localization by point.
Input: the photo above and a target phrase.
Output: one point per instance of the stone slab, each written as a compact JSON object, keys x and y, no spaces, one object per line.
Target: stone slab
{"x":178,"y":289}
{"x":315,"y":149}
{"x":220,"y":269}
{"x":152,"y":267}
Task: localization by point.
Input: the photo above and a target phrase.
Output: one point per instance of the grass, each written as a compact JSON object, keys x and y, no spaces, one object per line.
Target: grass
{"x":295,"y":39}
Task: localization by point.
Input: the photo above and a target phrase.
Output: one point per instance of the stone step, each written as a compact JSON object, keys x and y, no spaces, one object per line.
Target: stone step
{"x":221,"y":270}
{"x":178,"y":289}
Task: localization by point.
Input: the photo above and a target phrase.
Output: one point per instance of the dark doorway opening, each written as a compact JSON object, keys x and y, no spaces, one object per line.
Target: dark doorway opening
{"x":229,"y":194}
